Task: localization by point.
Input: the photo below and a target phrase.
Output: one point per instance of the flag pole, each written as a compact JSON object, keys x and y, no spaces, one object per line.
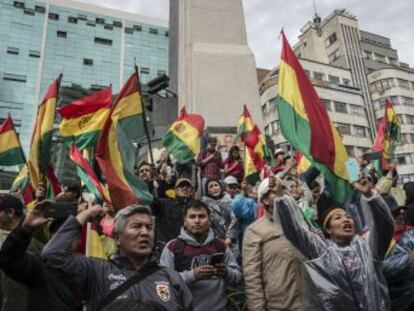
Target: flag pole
{"x":144,"y":115}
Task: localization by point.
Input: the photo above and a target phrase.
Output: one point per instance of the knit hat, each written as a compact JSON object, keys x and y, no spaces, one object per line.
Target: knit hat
{"x":326,"y":208}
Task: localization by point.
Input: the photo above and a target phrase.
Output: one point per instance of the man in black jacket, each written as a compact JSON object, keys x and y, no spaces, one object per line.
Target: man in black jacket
{"x":48,"y":289}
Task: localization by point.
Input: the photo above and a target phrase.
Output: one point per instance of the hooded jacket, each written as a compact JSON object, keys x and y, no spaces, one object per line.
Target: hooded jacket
{"x":220,"y":214}
{"x":345,"y":278}
{"x":98,"y":277}
{"x":208,"y":294}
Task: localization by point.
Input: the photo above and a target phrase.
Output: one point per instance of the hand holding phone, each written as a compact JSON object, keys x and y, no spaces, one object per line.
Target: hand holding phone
{"x":217,"y":259}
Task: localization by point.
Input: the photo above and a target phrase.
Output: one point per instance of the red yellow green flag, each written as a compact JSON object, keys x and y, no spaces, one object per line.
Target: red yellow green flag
{"x":22,"y":185}
{"x":389,"y":131}
{"x":11,"y":152}
{"x":306,"y":125}
{"x":244,"y":125}
{"x":115,"y":153}
{"x":256,"y":155}
{"x":39,"y":154}
{"x":182,"y":140}
{"x":84,"y":118}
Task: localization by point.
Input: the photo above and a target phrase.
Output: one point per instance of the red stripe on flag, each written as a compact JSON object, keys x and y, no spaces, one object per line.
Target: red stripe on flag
{"x":53,"y":180}
{"x":87,"y":104}
{"x":322,"y":145}
{"x":52,"y":91}
{"x":7,"y":125}
{"x":194,"y":119}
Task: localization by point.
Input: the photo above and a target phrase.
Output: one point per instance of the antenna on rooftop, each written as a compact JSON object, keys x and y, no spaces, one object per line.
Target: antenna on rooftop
{"x":316,"y":18}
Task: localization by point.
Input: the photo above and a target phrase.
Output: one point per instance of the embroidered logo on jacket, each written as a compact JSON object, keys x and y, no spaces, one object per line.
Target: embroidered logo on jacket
{"x":163,"y":291}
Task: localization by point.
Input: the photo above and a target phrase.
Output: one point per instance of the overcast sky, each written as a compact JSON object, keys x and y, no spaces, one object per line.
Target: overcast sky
{"x":265,"y":18}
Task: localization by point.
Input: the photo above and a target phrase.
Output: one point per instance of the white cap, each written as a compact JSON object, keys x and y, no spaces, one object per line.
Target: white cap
{"x":231,"y":180}
{"x":263,"y":188}
{"x":280,"y":150}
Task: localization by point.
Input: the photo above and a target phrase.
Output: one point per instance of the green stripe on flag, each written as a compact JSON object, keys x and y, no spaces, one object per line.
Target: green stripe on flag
{"x":13,"y":156}
{"x":181,"y":151}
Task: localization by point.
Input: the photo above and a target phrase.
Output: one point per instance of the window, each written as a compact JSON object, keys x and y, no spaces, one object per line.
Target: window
{"x":54,"y":16}
{"x":412,"y":85}
{"x":88,"y":62}
{"x":327,"y":104}
{"x":18,"y":4}
{"x":380,"y":58}
{"x":275,"y":126}
{"x":266,"y":129}
{"x":161,"y":72}
{"x":355,"y":109}
{"x":153,"y":31}
{"x":129,"y":30}
{"x":167,"y":34}
{"x":108,"y":27}
{"x":307,"y":73}
{"x":333,"y":56}
{"x":40,"y":9}
{"x":264,"y":109}
{"x":12,"y":50}
{"x":90,"y":23}
{"x":29,"y":12}
{"x":393,"y":61}
{"x":100,"y":20}
{"x":145,"y":70}
{"x":343,"y":128}
{"x":394,"y":100}
{"x":61,"y":34}
{"x":137,"y":27}
{"x":404,"y":159}
{"x":407,"y":101}
{"x":368,"y":55}
{"x":13,"y":77}
{"x":401,"y":118}
{"x":346,"y":82}
{"x":403,"y":83}
{"x":72,"y":20}
{"x":318,"y":76}
{"x":359,"y":131}
{"x":410,"y":119}
{"x":117,"y":24}
{"x":340,"y":107}
{"x":82,"y":17}
{"x":103,"y":41}
{"x":412,"y":138}
{"x":333,"y":79}
{"x":331,"y":39}
{"x":403,"y":139}
{"x":35,"y":54}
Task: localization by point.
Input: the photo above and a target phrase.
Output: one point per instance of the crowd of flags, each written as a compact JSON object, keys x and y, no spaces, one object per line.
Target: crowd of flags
{"x":104,"y":128}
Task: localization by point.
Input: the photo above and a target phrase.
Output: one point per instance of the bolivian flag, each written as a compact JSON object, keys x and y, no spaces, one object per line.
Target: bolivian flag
{"x":257,"y":154}
{"x":11,"y":152}
{"x":115,"y":153}
{"x":39,"y":154}
{"x":87,"y":175}
{"x":388,"y":135}
{"x":22,"y":185}
{"x":83,"y":119}
{"x":182,"y":140}
{"x":305,"y":123}
{"x":244,"y":125}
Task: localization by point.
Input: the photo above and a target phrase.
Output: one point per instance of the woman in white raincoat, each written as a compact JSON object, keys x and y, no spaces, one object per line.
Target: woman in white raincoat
{"x":345,"y":268}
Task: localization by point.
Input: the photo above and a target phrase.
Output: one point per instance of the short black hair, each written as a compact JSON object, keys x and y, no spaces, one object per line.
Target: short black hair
{"x":196,"y":204}
{"x":74,"y":187}
{"x":143,"y":163}
{"x":212,"y":140}
{"x":314,"y":184}
{"x":11,"y":202}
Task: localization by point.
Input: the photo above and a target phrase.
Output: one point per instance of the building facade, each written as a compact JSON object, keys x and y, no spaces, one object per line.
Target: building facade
{"x":343,"y":102}
{"x":92,"y":46}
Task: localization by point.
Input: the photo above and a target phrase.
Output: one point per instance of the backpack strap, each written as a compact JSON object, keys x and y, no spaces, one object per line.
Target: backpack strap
{"x":132,"y":281}
{"x":178,"y":252}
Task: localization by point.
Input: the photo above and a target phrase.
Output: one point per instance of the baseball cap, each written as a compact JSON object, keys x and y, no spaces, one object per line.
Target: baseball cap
{"x":263,"y":188}
{"x":279,"y":150}
{"x":182,"y":181}
{"x":231,"y":180}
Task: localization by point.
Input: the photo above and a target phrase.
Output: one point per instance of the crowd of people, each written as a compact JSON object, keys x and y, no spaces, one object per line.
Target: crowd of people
{"x":284,"y":242}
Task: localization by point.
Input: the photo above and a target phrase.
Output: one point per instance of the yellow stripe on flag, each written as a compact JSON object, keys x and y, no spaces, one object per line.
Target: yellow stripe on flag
{"x":94,"y":246}
{"x":88,"y":123}
{"x":8,"y":140}
{"x":341,"y":155}
{"x":127,"y":107}
{"x":187,"y":134}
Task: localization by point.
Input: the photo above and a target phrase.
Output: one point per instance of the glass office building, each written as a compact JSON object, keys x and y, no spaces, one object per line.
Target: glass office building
{"x":92,"y":46}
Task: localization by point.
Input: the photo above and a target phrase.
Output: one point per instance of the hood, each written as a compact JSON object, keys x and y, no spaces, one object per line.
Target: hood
{"x":184,"y":235}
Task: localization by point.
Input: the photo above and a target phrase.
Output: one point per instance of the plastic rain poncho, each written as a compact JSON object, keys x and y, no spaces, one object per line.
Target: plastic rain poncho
{"x":344,"y":278}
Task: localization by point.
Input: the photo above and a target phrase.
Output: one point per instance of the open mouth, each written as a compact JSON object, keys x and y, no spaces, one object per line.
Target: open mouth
{"x":347,"y":227}
{"x":144,"y":243}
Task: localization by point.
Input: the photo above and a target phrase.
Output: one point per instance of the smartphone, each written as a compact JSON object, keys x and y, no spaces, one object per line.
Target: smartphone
{"x":60,"y":210}
{"x":216,"y":259}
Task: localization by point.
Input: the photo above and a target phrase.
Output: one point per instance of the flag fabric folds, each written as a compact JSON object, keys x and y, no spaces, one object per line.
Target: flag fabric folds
{"x":39,"y":154}
{"x":83,"y":119}
{"x":22,"y":185}
{"x":244,"y":125}
{"x":11,"y":152}
{"x":182,"y":139}
{"x":306,"y":125}
{"x":257,"y":154}
{"x":389,"y":131}
{"x":87,"y":175}
{"x":115,"y":153}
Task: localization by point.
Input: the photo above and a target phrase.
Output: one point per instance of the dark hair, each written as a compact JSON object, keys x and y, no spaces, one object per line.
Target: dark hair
{"x":11,"y":202}
{"x":230,"y":157}
{"x":143,"y":163}
{"x":196,"y":204}
{"x":314,"y":184}
{"x":74,"y":187}
{"x":212,"y":140}
{"x":213,"y":180}
{"x":134,"y":305}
